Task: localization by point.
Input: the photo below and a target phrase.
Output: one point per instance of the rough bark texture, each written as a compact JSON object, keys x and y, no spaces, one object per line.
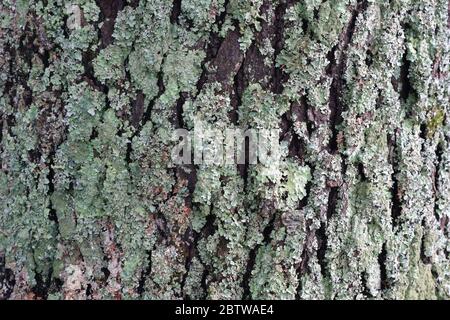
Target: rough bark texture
{"x":91,"y":91}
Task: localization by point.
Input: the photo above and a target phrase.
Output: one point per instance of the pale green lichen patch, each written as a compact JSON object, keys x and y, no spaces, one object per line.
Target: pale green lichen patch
{"x":353,"y":203}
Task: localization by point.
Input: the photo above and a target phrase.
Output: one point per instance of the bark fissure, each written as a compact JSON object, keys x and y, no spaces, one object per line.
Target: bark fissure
{"x":396,"y":206}
{"x":384,"y":283}
{"x":336,"y":70}
{"x":109,"y":10}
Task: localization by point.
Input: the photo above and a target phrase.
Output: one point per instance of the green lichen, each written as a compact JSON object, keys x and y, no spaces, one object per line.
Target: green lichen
{"x":353,"y":203}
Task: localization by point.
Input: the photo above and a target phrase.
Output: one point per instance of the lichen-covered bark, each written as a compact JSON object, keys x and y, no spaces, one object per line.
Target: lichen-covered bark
{"x":91,"y":92}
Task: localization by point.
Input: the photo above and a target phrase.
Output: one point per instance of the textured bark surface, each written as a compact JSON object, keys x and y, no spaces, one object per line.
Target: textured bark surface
{"x":92,"y":208}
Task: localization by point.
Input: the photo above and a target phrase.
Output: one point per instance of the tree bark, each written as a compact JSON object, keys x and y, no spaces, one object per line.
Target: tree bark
{"x":92,"y":206}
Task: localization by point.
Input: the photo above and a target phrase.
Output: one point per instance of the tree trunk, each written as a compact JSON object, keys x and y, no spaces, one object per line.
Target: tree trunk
{"x":93,"y":207}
